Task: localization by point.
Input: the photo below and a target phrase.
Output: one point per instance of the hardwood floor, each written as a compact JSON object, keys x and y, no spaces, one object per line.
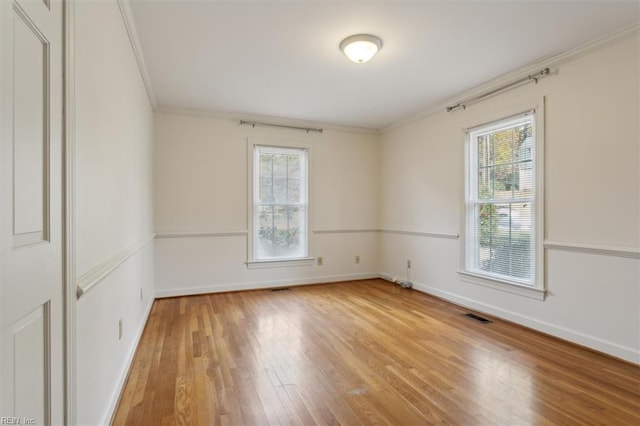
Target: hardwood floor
{"x":363,"y":352}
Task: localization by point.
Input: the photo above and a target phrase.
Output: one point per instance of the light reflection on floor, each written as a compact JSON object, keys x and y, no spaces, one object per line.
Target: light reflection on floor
{"x":504,"y":383}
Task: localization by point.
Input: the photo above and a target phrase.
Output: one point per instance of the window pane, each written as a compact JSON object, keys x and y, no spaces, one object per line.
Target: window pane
{"x":485,"y":151}
{"x":280,"y":190}
{"x":266,"y":165}
{"x":265,"y":191}
{"x":503,"y":146}
{"x":294,"y":166}
{"x":293,"y":191}
{"x":505,"y":181}
{"x":265,"y":231}
{"x":485,"y":183}
{"x":487,"y":220}
{"x":280,"y":222}
{"x":280,"y":165}
{"x":521,"y":217}
{"x":484,"y":225}
{"x":524,"y":175}
{"x":525,"y":150}
{"x":523,"y":138}
{"x":524,"y":165}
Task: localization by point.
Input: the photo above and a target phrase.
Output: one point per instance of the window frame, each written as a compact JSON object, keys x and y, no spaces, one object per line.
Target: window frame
{"x":537,"y":290}
{"x":252,"y":261}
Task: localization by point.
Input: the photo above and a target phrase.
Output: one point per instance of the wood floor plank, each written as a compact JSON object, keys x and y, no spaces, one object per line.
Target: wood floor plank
{"x":361,"y":353}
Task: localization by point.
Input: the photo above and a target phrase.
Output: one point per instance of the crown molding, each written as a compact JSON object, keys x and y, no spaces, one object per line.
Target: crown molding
{"x":132,"y":32}
{"x":549,"y":62}
{"x":237,"y":116}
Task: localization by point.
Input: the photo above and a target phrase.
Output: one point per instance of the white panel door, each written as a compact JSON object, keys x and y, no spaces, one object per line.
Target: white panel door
{"x":31,"y":273}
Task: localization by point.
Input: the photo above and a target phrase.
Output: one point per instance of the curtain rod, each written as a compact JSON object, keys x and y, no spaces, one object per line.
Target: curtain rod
{"x":533,"y":77}
{"x":258,"y":123}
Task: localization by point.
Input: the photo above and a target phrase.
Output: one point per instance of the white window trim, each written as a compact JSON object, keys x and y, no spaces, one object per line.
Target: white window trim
{"x":273,"y":263}
{"x":502,"y":285}
{"x":251,"y":262}
{"x":538,"y":290}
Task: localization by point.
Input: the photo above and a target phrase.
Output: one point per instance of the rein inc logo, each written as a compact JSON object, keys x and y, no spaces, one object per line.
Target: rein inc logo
{"x":17,"y":421}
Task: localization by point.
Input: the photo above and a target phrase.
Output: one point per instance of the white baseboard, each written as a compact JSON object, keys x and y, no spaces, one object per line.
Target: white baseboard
{"x":219,"y":288}
{"x":387,"y":277}
{"x":108,"y":418}
{"x":610,"y":348}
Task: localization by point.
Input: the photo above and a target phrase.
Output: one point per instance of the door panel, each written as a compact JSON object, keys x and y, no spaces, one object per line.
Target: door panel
{"x":30,"y":138}
{"x":30,"y":352}
{"x":31,"y":273}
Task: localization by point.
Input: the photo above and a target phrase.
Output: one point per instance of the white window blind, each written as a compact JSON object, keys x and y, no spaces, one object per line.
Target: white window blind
{"x":500,"y":200}
{"x":280,"y":203}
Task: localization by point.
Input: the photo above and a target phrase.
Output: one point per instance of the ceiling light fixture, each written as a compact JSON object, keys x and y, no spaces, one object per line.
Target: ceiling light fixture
{"x":360,"y":47}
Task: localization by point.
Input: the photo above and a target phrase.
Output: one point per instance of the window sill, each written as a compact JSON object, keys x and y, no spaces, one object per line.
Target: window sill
{"x":503,"y":285}
{"x":280,"y":263}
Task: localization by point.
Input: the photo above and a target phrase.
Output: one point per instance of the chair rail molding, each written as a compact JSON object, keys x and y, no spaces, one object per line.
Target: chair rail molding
{"x":205,"y":234}
{"x":346,"y":231}
{"x":446,"y":235}
{"x":598,"y":249}
{"x":97,"y":274}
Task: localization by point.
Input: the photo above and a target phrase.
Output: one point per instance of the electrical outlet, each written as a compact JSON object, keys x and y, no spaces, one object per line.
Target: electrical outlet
{"x":408,"y":264}
{"x":357,"y":259}
{"x":119,"y":329}
{"x":320,"y":261}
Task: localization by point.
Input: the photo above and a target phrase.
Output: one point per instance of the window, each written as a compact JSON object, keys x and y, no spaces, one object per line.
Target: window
{"x":280,"y":203}
{"x":501,"y":241}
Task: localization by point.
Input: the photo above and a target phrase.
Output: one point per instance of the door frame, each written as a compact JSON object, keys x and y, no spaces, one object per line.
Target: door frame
{"x":68,"y":213}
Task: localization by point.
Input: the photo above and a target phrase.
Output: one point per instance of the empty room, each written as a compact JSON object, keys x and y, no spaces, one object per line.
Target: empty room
{"x":228,"y":212}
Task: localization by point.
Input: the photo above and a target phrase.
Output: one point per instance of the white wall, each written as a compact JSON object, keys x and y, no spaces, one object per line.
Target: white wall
{"x":592,"y":198}
{"x":114,"y":205}
{"x":201,"y":187}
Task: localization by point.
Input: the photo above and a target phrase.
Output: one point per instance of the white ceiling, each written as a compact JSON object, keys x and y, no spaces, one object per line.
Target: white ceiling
{"x":281,"y":58}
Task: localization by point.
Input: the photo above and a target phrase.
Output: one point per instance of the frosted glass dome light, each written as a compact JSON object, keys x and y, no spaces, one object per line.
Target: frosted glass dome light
{"x":360,"y":47}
